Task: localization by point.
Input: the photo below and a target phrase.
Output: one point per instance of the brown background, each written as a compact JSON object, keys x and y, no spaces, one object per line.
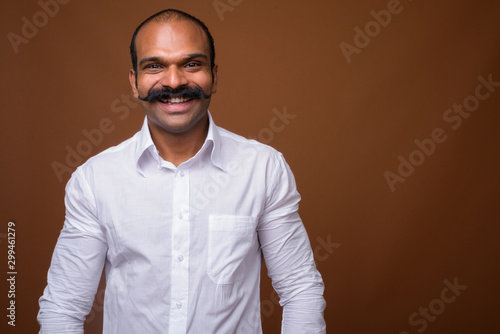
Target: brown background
{"x":390,"y":251}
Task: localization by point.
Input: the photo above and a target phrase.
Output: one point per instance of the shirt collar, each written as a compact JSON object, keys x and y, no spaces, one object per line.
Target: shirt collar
{"x":146,"y":154}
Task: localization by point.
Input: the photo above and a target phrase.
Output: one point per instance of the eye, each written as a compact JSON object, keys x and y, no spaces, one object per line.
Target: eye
{"x":192,"y":64}
{"x":152,"y":66}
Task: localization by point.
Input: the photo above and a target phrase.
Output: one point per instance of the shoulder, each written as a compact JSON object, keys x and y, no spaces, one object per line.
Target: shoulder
{"x":120,"y":156}
{"x":235,"y":144}
{"x":116,"y":153}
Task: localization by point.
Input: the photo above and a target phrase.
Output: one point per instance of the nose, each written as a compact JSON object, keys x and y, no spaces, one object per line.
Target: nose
{"x":174,"y":78}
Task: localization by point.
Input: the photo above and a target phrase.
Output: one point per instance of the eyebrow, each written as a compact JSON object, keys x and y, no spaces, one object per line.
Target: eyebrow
{"x":196,"y":55}
{"x":187,"y":57}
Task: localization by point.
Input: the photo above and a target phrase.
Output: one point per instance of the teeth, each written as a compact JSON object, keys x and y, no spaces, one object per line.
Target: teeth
{"x":177,"y":100}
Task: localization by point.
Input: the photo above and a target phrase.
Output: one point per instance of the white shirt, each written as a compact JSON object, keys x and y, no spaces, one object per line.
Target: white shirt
{"x":182,"y":246}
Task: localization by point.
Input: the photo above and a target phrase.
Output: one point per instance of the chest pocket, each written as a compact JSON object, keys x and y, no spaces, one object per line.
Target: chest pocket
{"x":229,"y":241}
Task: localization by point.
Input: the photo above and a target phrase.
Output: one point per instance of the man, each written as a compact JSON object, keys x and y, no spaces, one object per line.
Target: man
{"x":180,"y":214}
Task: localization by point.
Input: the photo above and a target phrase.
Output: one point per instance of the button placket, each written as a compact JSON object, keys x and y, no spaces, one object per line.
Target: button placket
{"x":180,"y":247}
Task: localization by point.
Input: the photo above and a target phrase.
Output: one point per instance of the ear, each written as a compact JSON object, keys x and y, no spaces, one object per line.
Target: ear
{"x":132,"y":78}
{"x":215,"y":78}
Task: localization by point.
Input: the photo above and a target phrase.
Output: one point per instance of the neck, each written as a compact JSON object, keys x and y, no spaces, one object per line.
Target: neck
{"x":179,"y":147}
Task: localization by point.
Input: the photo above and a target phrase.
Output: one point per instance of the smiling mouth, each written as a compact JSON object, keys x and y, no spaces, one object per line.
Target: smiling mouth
{"x":177,"y":100}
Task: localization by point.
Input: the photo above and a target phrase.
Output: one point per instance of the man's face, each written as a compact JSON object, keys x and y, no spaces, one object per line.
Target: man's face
{"x":172,"y":56}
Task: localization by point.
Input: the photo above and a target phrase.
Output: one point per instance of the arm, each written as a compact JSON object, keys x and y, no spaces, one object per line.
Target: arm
{"x":289,"y":258}
{"x":77,"y":263}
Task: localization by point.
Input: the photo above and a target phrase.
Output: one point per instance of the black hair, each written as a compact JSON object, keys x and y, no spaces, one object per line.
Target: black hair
{"x":166,"y":15}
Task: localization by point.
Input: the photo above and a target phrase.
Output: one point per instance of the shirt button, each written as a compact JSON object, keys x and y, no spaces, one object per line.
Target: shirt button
{"x":182,"y":173}
{"x":179,"y":305}
{"x":180,"y":215}
{"x":180,"y":258}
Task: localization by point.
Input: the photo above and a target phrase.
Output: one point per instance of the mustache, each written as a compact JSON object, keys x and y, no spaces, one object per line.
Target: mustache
{"x":166,"y":93}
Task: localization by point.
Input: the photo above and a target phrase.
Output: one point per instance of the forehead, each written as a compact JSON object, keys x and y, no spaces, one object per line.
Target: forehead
{"x":175,"y":36}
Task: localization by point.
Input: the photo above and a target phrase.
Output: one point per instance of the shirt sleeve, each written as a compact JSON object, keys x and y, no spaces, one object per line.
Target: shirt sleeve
{"x":77,"y":263}
{"x":289,"y":257}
